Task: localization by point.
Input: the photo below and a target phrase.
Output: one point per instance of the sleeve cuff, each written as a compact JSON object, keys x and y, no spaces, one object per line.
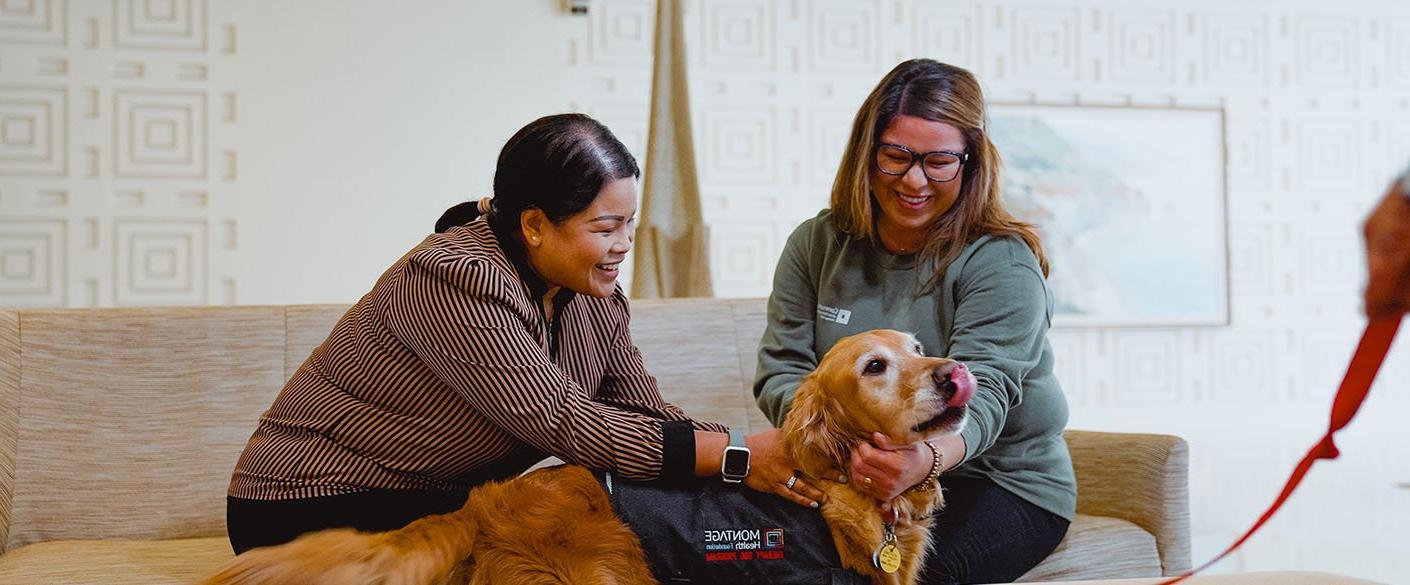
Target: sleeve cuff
{"x":971,"y":435}
{"x":677,"y":451}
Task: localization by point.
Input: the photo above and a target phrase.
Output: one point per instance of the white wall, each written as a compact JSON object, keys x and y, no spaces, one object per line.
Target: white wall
{"x":253,"y":151}
{"x":363,"y":121}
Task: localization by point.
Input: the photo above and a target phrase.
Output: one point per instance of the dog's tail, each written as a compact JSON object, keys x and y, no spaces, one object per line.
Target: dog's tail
{"x":429,"y":550}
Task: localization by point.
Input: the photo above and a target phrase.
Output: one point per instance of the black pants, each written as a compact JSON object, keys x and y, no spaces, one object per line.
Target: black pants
{"x":256,"y":523}
{"x":986,"y":534}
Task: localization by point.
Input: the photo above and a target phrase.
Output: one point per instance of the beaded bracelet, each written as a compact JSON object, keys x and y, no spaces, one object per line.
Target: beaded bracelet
{"x":932,"y":480}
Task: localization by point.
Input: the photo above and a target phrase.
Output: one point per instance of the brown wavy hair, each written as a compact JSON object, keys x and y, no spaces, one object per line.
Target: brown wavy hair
{"x":934,"y":91}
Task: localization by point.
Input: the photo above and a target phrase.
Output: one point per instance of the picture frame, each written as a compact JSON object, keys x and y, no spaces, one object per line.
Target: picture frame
{"x":1132,"y":206}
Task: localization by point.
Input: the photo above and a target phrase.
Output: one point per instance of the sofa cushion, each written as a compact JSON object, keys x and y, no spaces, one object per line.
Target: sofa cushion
{"x":128,"y":421}
{"x":1097,"y":547}
{"x":115,"y":562}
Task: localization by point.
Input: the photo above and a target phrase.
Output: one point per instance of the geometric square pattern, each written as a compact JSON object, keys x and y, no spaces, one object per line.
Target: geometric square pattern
{"x":1249,"y":145}
{"x":1148,"y":368}
{"x":741,"y":257}
{"x":1236,"y":49}
{"x":948,"y":32}
{"x":1327,"y":54}
{"x":621,"y":33}
{"x":1143,"y":47}
{"x":1251,"y":262}
{"x":177,"y":25}
{"x":33,"y":269}
{"x":1329,"y":157}
{"x":160,"y":134}
{"x":737,"y":34}
{"x":33,"y":131}
{"x":1398,"y":47}
{"x":1243,"y":365}
{"x":1326,"y":266}
{"x":842,"y":35}
{"x":739,"y":145}
{"x":33,"y":22}
{"x":1046,"y":43}
{"x":159,"y":262}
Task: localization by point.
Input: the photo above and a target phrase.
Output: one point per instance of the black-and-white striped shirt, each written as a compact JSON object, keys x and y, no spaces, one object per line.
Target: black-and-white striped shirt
{"x":446,"y":374}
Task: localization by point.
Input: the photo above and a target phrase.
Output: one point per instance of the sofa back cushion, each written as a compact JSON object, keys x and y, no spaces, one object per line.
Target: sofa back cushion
{"x":693,"y":347}
{"x":127,"y":422}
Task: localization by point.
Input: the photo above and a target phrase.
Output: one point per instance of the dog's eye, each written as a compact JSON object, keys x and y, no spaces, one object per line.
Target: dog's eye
{"x":874,"y":367}
{"x":919,"y":349}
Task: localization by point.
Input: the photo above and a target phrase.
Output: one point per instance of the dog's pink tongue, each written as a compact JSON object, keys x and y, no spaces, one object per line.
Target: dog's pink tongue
{"x":964,"y":386}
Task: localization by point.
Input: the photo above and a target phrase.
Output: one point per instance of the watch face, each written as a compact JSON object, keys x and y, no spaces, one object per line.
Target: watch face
{"x":736,"y":463}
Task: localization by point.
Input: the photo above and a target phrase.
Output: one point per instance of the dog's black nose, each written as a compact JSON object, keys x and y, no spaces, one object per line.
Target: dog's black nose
{"x":944,"y":384}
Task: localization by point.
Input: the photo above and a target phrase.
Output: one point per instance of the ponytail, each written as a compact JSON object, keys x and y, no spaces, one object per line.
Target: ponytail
{"x":463,"y":213}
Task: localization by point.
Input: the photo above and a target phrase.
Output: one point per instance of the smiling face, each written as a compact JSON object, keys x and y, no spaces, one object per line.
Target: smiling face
{"x":584,"y":252}
{"x":910,"y":202}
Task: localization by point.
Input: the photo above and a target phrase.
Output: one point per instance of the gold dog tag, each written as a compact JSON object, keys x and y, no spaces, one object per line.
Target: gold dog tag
{"x":887,"y":558}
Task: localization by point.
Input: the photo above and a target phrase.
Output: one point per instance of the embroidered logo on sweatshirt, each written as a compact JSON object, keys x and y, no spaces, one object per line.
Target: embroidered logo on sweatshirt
{"x":746,"y":544}
{"x":838,"y":316}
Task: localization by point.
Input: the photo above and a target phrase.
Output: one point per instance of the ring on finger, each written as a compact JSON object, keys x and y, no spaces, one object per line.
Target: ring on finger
{"x":792,"y":479}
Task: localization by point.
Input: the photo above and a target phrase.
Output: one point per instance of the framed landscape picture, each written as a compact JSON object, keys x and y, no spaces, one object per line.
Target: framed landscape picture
{"x":1131,"y":204}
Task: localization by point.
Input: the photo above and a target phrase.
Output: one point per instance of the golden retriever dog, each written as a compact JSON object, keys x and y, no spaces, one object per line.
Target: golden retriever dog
{"x":556,"y":525}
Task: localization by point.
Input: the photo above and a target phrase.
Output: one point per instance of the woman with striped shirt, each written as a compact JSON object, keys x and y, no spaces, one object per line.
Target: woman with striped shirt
{"x":481,"y":351}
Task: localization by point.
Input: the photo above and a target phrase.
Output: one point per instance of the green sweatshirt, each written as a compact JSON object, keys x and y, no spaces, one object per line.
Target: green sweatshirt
{"x":991,"y":311}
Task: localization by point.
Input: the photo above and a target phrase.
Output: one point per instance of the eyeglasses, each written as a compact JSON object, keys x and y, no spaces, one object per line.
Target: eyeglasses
{"x":940,"y":166}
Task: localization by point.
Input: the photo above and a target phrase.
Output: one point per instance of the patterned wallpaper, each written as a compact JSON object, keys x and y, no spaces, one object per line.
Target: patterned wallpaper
{"x":1318,"y":119}
{"x":116,"y":164}
{"x":120,"y":185}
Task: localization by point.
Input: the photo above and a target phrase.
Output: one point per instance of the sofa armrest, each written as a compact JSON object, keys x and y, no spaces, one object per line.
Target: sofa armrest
{"x":1140,"y":478}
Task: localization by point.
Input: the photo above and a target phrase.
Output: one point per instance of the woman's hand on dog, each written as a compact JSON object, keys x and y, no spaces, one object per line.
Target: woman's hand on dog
{"x":891,"y":468}
{"x":770,"y":467}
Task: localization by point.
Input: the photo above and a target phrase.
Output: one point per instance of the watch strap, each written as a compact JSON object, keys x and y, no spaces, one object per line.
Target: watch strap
{"x":737,"y":448}
{"x":736,"y":438}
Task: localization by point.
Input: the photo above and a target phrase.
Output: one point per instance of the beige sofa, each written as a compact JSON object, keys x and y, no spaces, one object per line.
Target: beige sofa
{"x":119,"y":427}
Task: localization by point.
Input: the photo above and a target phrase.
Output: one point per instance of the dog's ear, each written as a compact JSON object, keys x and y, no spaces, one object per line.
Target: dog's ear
{"x":814,"y":430}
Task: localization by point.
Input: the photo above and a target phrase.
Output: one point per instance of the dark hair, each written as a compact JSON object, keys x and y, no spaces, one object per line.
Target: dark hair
{"x":556,"y":164}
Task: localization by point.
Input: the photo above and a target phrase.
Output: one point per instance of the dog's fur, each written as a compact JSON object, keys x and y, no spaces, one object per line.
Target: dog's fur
{"x":556,"y":525}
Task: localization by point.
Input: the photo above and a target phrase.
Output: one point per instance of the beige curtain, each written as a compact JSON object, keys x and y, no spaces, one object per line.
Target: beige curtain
{"x":672,"y":242}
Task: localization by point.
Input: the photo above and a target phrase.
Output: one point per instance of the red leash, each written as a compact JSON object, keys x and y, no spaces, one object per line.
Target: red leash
{"x":1375,"y":343}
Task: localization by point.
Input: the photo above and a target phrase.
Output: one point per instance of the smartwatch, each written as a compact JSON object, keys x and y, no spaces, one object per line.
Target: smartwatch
{"x":735,"y":464}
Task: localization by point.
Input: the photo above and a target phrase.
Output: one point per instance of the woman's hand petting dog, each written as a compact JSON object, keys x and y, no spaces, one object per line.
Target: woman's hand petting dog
{"x":771,"y":468}
{"x":884,"y":469}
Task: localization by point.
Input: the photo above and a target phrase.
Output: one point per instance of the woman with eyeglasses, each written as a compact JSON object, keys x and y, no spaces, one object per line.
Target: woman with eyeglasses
{"x":917,"y":239}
